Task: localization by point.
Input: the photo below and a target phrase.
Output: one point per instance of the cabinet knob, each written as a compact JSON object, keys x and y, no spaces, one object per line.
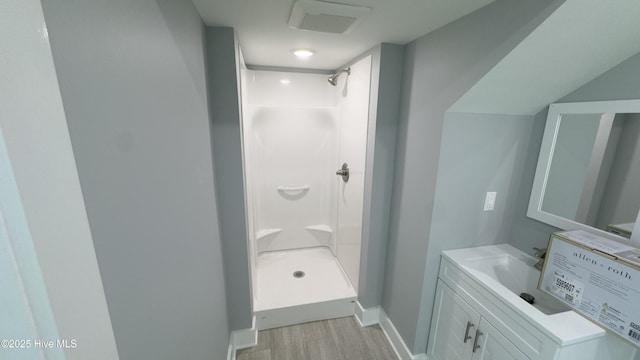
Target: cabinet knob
{"x":466,"y":333}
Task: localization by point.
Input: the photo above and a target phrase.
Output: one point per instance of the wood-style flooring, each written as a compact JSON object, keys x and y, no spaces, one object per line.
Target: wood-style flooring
{"x":335,"y":339}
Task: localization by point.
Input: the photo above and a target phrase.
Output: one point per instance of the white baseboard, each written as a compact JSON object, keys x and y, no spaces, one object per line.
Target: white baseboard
{"x":245,"y":338}
{"x":242,"y":339}
{"x":376,"y":315}
{"x":366,"y":317}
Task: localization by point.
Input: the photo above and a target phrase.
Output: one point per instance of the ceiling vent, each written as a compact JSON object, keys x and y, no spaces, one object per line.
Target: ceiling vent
{"x":325,"y":16}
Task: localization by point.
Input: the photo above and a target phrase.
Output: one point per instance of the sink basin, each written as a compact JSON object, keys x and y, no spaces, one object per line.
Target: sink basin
{"x":518,"y":274}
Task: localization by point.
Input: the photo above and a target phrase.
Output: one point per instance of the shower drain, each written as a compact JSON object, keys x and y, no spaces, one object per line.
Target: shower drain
{"x":298,"y":274}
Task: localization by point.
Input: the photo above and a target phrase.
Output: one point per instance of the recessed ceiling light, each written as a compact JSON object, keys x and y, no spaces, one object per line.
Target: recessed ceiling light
{"x":303,"y":53}
{"x":285,"y":81}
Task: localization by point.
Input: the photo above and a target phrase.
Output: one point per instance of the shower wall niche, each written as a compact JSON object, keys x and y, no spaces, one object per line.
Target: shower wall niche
{"x":297,"y":132}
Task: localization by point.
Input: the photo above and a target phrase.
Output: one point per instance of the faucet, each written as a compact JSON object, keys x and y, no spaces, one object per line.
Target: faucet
{"x":540,"y":253}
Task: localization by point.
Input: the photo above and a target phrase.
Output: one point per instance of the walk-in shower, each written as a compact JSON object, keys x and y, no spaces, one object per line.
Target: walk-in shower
{"x":305,"y":222}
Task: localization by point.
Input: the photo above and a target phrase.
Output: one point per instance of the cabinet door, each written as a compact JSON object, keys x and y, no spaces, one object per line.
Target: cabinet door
{"x":490,"y":344}
{"x":453,"y":325}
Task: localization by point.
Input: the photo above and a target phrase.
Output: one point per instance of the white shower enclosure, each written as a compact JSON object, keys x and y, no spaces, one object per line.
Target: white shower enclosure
{"x":304,"y":221}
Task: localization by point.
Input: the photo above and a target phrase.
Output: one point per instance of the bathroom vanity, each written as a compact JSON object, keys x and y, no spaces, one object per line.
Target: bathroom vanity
{"x":478,"y":313}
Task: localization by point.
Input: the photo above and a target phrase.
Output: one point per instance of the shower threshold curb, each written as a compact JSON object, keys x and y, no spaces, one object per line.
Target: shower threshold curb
{"x":298,"y":314}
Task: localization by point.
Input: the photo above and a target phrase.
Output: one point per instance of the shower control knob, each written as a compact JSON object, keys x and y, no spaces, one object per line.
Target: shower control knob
{"x":344,"y":172}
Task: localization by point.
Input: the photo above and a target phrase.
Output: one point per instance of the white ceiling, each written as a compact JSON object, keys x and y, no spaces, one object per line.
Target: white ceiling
{"x":266,"y":39}
{"x":578,"y":42}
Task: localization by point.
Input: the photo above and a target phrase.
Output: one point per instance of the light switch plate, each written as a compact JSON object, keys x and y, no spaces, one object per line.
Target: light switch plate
{"x":490,"y":201}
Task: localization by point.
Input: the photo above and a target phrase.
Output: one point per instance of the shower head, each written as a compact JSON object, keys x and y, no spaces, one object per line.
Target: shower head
{"x":333,"y":79}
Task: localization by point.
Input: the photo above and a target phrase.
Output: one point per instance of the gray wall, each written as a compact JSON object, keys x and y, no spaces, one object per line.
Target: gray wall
{"x":386,"y":82}
{"x":132,"y":79}
{"x":480,"y":153}
{"x":438,"y":69}
{"x":224,"y":110}
{"x":620,"y":83}
{"x":49,"y":277}
{"x":527,"y":233}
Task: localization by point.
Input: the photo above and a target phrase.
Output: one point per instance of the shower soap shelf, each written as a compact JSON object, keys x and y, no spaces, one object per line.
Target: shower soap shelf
{"x":293,"y":188}
{"x":266,"y":233}
{"x":320,"y":228}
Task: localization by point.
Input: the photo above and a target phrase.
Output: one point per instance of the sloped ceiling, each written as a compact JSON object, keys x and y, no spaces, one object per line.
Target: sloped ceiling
{"x":266,"y":39}
{"x":578,"y":42}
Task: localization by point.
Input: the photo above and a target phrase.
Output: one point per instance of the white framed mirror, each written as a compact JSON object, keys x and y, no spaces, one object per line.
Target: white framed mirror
{"x":588,"y":173}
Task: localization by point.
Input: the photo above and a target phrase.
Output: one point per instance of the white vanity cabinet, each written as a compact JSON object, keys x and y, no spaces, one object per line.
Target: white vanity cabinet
{"x":476,"y":317}
{"x":492,"y":345}
{"x":458,"y":332}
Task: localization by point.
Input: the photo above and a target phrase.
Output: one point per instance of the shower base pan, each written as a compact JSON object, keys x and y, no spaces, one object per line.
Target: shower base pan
{"x":302,"y":285}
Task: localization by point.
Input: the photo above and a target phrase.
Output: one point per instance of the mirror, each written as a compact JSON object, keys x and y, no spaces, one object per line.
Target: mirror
{"x":588,"y":174}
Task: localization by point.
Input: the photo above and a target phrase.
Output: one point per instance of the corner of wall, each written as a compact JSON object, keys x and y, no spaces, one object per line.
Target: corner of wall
{"x":222,"y":58}
{"x":242,"y":339}
{"x":386,"y":82}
